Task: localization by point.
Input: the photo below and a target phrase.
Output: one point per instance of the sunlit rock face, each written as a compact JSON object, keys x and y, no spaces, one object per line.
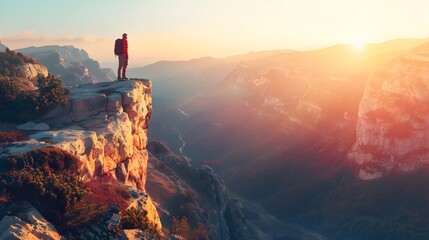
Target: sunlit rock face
{"x":105,"y":126}
{"x":31,"y":71}
{"x":393,"y":121}
{"x":28,"y":74}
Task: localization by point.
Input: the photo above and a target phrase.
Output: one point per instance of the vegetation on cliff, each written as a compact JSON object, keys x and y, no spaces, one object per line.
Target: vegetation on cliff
{"x":181,"y":228}
{"x":9,"y":60}
{"x":18,"y":105}
{"x":45,"y":177}
{"x":137,"y":218}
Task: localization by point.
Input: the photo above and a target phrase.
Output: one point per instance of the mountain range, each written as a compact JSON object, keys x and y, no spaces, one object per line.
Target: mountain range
{"x":306,"y":133}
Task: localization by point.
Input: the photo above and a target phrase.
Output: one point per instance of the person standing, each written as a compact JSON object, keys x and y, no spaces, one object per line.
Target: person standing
{"x":121,"y":50}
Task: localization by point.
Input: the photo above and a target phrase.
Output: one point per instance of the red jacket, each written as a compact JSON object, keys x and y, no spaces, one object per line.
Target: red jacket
{"x":125,"y":46}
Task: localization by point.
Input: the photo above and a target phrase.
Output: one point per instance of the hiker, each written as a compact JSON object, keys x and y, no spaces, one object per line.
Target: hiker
{"x":121,"y":50}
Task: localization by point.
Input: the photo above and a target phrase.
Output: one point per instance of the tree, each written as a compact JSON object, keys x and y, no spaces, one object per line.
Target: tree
{"x":200,"y":232}
{"x":181,"y":228}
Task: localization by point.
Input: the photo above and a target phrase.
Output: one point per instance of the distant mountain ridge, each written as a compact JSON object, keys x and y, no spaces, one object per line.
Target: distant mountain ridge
{"x":182,"y":80}
{"x":71,"y":64}
{"x":69,"y":53}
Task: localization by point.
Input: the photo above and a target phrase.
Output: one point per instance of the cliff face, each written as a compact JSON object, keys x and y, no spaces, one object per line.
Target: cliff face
{"x":393,"y":119}
{"x":105,"y":125}
{"x":196,"y":193}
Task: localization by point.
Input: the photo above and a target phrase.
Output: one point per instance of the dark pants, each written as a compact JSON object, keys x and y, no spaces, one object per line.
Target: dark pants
{"x":123,"y":63}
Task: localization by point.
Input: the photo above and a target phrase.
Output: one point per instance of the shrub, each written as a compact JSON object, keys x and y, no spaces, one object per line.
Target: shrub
{"x":108,"y":193}
{"x":52,"y":92}
{"x":182,"y":228}
{"x":23,"y":105}
{"x":55,"y":193}
{"x":15,"y":136}
{"x":8,"y":91}
{"x":136,"y":218}
{"x":50,"y":159}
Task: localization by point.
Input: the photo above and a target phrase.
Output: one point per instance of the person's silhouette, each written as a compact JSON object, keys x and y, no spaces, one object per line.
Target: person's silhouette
{"x":121,"y":49}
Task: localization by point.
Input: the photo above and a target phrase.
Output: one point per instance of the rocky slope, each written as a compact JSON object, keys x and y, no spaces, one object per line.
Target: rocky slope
{"x":394,"y":119}
{"x":72,"y":65}
{"x":26,"y":223}
{"x":198,"y":194}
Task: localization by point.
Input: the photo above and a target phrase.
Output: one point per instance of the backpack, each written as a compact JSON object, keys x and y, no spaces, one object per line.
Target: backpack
{"x":118,"y":47}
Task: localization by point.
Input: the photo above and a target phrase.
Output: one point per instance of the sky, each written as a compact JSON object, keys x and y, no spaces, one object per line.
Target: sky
{"x":185,"y":29}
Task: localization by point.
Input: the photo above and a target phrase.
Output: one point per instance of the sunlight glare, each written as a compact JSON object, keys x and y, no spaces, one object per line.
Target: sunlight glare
{"x":358,"y":41}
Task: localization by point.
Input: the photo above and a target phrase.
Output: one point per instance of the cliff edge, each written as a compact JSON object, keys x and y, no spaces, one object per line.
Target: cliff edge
{"x":104,"y":125}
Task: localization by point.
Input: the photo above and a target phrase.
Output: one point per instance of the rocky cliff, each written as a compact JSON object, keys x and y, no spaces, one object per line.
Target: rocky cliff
{"x":105,"y":125}
{"x":393,"y":119}
{"x":198,"y":194}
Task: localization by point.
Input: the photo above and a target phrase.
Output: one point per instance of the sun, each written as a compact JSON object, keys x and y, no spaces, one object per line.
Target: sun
{"x":357,"y":42}
{"x":358,"y":46}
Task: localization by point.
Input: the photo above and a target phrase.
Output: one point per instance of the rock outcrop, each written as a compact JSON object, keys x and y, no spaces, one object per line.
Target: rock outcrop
{"x":31,"y":71}
{"x":393,"y":121}
{"x":105,"y":125}
{"x":27,"y":224}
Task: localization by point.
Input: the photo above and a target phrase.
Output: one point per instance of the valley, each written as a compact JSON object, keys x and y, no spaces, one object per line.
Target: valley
{"x":280,"y":131}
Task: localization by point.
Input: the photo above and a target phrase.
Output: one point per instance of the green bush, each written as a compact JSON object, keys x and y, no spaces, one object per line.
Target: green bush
{"x":46,"y":177}
{"x":24,"y":105}
{"x":55,"y":193}
{"x":52,"y":92}
{"x":51,"y":159}
{"x":8,"y":91}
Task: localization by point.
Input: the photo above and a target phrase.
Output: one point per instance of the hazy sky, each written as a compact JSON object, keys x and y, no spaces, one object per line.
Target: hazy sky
{"x":183,"y":29}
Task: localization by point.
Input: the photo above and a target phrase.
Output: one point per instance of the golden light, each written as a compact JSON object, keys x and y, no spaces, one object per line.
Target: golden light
{"x":357,"y":41}
{"x":358,"y":46}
